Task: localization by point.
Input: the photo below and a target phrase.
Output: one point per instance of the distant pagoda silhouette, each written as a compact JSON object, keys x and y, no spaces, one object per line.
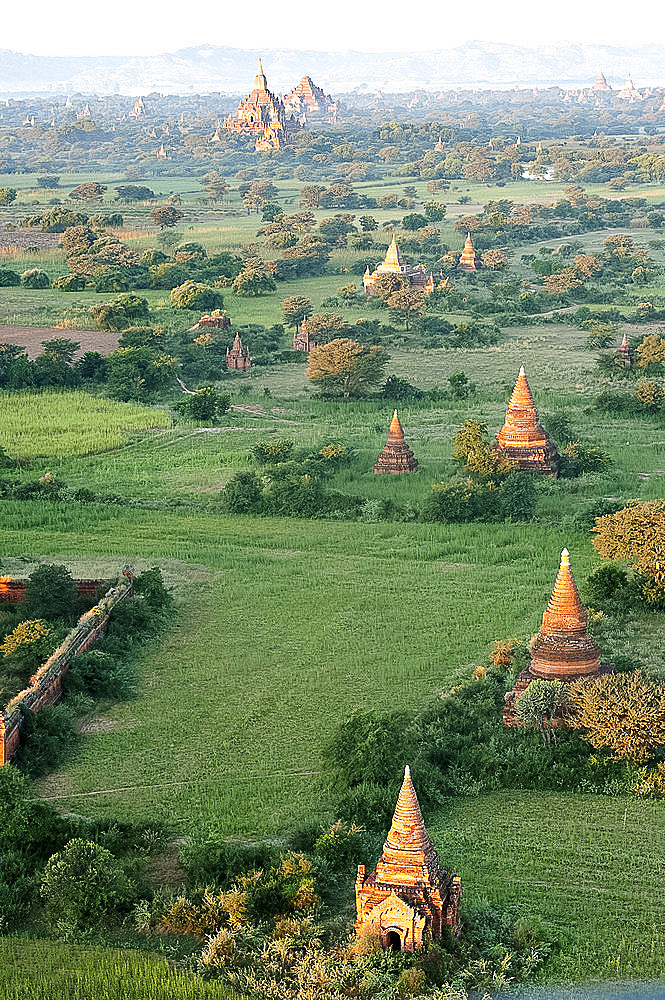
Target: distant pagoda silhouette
{"x":237,"y":357}
{"x":626,"y":352}
{"x":522,"y":438}
{"x":563,"y":650}
{"x":396,"y":456}
{"x":469,"y":260}
{"x":409,"y":892}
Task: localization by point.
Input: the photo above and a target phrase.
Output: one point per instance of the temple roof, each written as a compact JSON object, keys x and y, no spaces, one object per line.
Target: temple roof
{"x":393,"y":257}
{"x":395,"y":429}
{"x":260,"y":82}
{"x":521,"y":398}
{"x":565,"y":610}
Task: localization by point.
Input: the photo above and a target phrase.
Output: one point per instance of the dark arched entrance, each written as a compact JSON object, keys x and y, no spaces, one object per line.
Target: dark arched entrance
{"x":393,"y":941}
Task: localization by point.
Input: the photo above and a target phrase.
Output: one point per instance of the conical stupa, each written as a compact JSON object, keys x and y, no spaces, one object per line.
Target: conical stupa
{"x":396,"y":456}
{"x":522,"y":438}
{"x":409,"y":891}
{"x":563,"y":650}
{"x":469,"y":258}
{"x":626,"y":351}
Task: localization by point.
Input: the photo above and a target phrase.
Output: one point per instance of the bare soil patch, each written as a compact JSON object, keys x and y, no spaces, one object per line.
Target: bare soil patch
{"x":31,"y":337}
{"x":21,"y":239}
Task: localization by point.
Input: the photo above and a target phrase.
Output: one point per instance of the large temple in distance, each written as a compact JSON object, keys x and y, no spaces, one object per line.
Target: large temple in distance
{"x":306,"y":101}
{"x":409,"y":892}
{"x":263,"y":115}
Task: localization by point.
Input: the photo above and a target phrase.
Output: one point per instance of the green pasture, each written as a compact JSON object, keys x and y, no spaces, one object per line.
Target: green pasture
{"x":589,"y":865}
{"x":36,"y":969}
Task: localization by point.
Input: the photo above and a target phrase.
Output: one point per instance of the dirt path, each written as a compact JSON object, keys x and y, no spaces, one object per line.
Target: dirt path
{"x":31,"y":337}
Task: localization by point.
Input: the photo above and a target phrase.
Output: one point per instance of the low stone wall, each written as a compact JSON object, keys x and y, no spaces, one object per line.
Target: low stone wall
{"x":45,"y":686}
{"x":13,"y":591}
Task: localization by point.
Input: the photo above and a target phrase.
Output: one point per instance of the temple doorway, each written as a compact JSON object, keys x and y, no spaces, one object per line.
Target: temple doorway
{"x":393,"y":941}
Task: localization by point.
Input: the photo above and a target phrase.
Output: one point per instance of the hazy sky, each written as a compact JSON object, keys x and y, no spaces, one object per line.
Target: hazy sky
{"x":132,"y":27}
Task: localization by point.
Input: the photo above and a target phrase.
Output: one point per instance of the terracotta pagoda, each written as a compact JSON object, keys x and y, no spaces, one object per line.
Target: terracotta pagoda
{"x":626,"y":352}
{"x":306,"y":100}
{"x":237,"y":357}
{"x":522,"y":438}
{"x":301,"y":341}
{"x":263,"y":115}
{"x":393,"y":263}
{"x":469,"y":260}
{"x":396,"y":456}
{"x":409,"y":892}
{"x":563,"y":650}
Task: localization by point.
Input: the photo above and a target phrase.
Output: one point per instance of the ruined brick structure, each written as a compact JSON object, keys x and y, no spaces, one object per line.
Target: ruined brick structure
{"x":563,"y":650}
{"x":306,"y":100}
{"x":263,"y":115}
{"x":217,"y":319}
{"x":417,"y":277}
{"x":396,"y":456}
{"x":469,"y":260}
{"x":626,"y":352}
{"x":409,"y":892}
{"x":45,"y":687}
{"x":301,"y":341}
{"x":237,"y":357}
{"x":522,"y":438}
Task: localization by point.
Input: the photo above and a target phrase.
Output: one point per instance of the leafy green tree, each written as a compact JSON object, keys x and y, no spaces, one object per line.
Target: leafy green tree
{"x":29,"y":826}
{"x":215,"y":185}
{"x":83,"y":885}
{"x":35,"y":278}
{"x":50,"y":593}
{"x":196,"y":295}
{"x":296,"y":308}
{"x":205,"y":406}
{"x":343,"y":367}
{"x":7,"y":195}
{"x":405,"y":304}
{"x":166,"y":216}
{"x":9,"y":278}
{"x":125,"y":310}
{"x":138,"y":373}
{"x":537,"y":706}
{"x":59,"y":218}
{"x":244,"y":493}
{"x":414,"y":221}
{"x":88,"y":191}
{"x":434,"y":210}
{"x":134,"y":192}
{"x":254,"y":282}
{"x":623,"y":713}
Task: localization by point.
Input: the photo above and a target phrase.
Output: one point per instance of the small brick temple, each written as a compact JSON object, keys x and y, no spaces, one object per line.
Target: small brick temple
{"x":409,"y":892}
{"x":396,"y":456}
{"x":563,"y":650}
{"x":522,"y":438}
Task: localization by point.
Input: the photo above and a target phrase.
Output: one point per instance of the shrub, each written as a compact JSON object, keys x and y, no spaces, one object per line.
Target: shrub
{"x":46,"y":738}
{"x":273,"y":452}
{"x":195,"y":295}
{"x":9,"y":278}
{"x":577,"y":459}
{"x":606,"y":583}
{"x":70,"y":283}
{"x":243,"y":494}
{"x":518,"y":496}
{"x":461,"y":501}
{"x":205,"y":406}
{"x":50,"y":593}
{"x":83,"y":885}
{"x":35,"y":278}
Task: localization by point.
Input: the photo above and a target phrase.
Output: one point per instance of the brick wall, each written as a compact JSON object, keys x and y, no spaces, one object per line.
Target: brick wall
{"x":45,"y":686}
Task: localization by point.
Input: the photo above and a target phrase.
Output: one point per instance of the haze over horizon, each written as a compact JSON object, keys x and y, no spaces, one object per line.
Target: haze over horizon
{"x":142,"y":30}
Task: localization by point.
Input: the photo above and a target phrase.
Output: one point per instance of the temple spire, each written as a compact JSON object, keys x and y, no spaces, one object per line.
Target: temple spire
{"x":522,"y":438}
{"x":260,"y":82}
{"x":396,"y":456}
{"x":468,"y":260}
{"x":565,"y":609}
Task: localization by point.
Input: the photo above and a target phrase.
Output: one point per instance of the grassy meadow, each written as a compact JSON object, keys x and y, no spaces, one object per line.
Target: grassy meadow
{"x":284,"y":627}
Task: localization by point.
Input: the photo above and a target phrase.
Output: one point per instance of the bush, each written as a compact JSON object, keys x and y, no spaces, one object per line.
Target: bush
{"x":83,"y":885}
{"x":47,"y":737}
{"x":243,"y":494}
{"x":195,"y":295}
{"x":70,"y":283}
{"x":577,"y":459}
{"x":461,"y":501}
{"x":205,"y":406}
{"x":50,"y":593}
{"x":35,"y":278}
{"x":9,"y":278}
{"x":273,"y":452}
{"x":519,"y":496}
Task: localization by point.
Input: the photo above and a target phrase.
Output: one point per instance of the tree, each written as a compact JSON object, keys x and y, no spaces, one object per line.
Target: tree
{"x":138,"y":373}
{"x":35,"y":278}
{"x":296,"y":308}
{"x":496,"y":260}
{"x":88,"y":191}
{"x":60,"y":349}
{"x":134,"y":192}
{"x":368,"y":223}
{"x":125,"y":310}
{"x":215,"y":185}
{"x":196,"y":295}
{"x":536,"y":707}
{"x":78,"y":239}
{"x":637,"y":532}
{"x":165,"y":216}
{"x":414,"y":221}
{"x":406,"y":304}
{"x":259,"y":193}
{"x":473,"y":451}
{"x":434,"y":210}
{"x":50,"y":593}
{"x":623,"y":713}
{"x":311,"y":195}
{"x":254,"y":281}
{"x":651,"y":352}
{"x":345,"y":368}
{"x":205,"y":406}
{"x":385,"y":285}
{"x":59,"y":218}
{"x":84,"y":884}
{"x":7,"y":196}
{"x":323,"y":327}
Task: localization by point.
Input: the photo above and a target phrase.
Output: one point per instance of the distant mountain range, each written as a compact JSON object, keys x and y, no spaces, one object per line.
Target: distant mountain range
{"x":210,"y":69}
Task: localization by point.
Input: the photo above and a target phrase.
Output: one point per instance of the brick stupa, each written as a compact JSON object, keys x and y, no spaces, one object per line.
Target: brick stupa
{"x":469,"y":259}
{"x":396,"y":456}
{"x":409,"y":891}
{"x":626,"y":352}
{"x":563,"y":650}
{"x":237,"y":357}
{"x":522,"y":438}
